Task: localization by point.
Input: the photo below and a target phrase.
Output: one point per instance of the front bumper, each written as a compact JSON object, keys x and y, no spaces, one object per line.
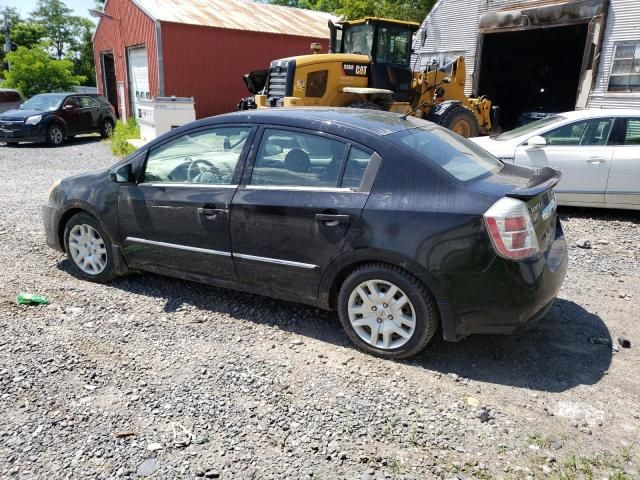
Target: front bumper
{"x":507,"y":297}
{"x":26,"y":133}
{"x":51,"y":216}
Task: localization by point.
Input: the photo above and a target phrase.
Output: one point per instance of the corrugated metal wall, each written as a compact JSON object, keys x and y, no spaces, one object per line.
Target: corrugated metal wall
{"x":451,"y":27}
{"x":208,"y":63}
{"x":128,"y":27}
{"x":623,"y":24}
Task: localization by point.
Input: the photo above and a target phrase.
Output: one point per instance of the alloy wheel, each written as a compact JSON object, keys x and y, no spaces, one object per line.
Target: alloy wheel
{"x":381,"y":314}
{"x":108,"y":129}
{"x":88,"y":249}
{"x":55,"y":135}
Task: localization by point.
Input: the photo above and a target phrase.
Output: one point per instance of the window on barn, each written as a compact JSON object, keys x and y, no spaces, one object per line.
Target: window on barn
{"x":625,"y":71}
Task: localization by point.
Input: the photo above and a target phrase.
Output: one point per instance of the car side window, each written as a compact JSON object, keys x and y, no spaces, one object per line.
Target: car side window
{"x":287,"y":158}
{"x":88,"y":102}
{"x":73,"y":101}
{"x":585,"y":133}
{"x":357,"y":163}
{"x":632,"y":132}
{"x":203,"y":157}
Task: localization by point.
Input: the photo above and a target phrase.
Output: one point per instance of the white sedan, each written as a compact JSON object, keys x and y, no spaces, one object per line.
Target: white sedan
{"x":598,"y":152}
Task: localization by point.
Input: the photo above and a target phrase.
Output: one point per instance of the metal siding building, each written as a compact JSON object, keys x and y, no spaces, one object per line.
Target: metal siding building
{"x":463,"y":27}
{"x":195,"y":48}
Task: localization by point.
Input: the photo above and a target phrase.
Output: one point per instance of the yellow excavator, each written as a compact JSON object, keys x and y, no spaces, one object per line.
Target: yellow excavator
{"x":369,"y":66}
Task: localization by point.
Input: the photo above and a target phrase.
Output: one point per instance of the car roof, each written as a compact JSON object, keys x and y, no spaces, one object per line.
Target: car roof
{"x":376,"y":122}
{"x":8,"y":90}
{"x":600,"y":112}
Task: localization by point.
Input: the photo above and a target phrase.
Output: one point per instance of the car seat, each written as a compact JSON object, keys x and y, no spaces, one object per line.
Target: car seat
{"x":297,"y":160}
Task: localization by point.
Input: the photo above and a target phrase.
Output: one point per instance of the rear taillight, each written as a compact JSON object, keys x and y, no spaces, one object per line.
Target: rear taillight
{"x":509,"y":224}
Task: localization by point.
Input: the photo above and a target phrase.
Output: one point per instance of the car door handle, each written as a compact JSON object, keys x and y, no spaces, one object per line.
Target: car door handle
{"x":331,"y":220}
{"x":596,"y":160}
{"x":210,"y":212}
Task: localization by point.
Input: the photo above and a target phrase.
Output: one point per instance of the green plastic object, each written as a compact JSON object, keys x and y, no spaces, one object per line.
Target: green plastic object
{"x":31,"y":299}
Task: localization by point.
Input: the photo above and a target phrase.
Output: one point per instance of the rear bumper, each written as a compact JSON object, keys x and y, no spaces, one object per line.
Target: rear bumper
{"x":51,"y":216}
{"x":26,"y":133}
{"x":507,"y":297}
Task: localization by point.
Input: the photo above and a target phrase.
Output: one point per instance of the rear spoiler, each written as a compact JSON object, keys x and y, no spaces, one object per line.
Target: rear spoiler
{"x":545,"y":179}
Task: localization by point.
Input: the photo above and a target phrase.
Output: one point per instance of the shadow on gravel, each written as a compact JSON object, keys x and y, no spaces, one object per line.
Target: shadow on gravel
{"x":600,"y":214}
{"x":553,"y":356}
{"x":76,"y":141}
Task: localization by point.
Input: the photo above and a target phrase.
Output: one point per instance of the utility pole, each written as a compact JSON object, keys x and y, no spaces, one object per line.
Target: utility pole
{"x":7,"y":37}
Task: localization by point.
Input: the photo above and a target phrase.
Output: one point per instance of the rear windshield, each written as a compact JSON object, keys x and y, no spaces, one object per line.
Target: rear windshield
{"x":528,"y":128}
{"x":458,"y":156}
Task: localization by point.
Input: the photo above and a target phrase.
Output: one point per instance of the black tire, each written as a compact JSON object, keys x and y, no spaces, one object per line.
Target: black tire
{"x":460,"y":120}
{"x":366,"y":106}
{"x":106,"y":128}
{"x":108,"y":273}
{"x":427,"y":317}
{"x":55,"y":135}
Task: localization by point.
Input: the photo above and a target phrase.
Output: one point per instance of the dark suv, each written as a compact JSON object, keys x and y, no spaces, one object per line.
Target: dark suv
{"x":54,"y":117}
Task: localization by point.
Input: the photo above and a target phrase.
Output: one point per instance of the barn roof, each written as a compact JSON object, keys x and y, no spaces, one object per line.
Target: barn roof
{"x":240,"y":15}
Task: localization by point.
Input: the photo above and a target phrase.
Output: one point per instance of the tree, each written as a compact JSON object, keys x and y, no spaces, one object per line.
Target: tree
{"x":27,"y":34}
{"x":34,"y":71}
{"x":83,"y":61}
{"x":63,"y":29}
{"x":414,"y":10}
{"x":9,"y":16}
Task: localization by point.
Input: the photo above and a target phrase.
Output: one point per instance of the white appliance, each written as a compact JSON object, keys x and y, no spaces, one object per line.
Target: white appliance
{"x":162,"y":114}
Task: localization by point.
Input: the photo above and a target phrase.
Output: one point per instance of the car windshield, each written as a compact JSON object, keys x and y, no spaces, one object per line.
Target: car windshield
{"x":46,"y":102}
{"x":460,"y":157}
{"x":528,"y":128}
{"x":358,"y":39}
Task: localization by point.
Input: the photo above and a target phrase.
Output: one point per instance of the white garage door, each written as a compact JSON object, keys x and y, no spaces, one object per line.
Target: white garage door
{"x":138,"y":76}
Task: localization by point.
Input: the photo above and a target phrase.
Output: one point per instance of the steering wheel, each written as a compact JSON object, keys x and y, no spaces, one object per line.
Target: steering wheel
{"x":192,"y":173}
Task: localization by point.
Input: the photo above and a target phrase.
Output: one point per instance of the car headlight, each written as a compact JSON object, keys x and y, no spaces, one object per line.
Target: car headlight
{"x":34,"y":120}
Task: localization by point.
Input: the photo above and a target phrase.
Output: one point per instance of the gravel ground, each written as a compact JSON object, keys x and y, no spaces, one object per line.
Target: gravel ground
{"x":154,"y":376}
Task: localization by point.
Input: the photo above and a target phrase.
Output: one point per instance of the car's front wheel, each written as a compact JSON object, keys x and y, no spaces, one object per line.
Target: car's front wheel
{"x":386,"y":311}
{"x":89,"y":249}
{"x":55,"y":135}
{"x":106,"y":129}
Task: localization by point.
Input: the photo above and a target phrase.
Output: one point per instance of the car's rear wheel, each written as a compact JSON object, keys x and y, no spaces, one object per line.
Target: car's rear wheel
{"x":55,"y":135}
{"x":106,"y":129}
{"x":89,"y":249}
{"x":386,"y":311}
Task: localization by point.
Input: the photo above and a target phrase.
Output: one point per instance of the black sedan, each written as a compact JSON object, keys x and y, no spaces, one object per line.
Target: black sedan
{"x":54,"y":117}
{"x":399,"y":225}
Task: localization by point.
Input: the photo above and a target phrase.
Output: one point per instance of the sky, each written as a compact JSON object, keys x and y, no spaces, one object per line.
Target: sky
{"x":79,"y":7}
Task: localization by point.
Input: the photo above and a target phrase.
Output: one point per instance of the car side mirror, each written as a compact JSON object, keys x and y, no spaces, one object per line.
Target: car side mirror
{"x":123,"y":174}
{"x":537,"y":142}
{"x":68,"y":106}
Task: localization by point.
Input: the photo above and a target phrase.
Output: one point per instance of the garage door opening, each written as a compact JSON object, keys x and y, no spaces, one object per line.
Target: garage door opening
{"x":109,"y":82}
{"x":536,"y":70}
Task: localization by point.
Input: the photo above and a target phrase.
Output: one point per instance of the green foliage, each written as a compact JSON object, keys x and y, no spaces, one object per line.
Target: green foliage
{"x":412,"y":10}
{"x":64,"y":30}
{"x":34,"y":71}
{"x":27,"y":34}
{"x":83,"y":62}
{"x":123,"y":132}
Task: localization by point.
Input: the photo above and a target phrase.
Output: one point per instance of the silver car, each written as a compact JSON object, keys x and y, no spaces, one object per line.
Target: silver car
{"x":9,"y":99}
{"x":598,"y":152}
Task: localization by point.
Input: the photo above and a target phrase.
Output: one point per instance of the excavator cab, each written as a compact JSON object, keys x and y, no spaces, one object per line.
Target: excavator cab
{"x":387,"y":43}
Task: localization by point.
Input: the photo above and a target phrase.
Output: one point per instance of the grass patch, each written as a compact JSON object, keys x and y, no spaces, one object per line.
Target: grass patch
{"x":539,"y":440}
{"x":124,"y":131}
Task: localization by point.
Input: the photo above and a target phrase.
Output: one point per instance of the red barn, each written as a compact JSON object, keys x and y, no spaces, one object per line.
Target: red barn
{"x":195,"y":48}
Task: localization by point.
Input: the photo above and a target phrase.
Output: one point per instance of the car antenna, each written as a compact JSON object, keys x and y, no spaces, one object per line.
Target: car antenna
{"x":414,"y":110}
